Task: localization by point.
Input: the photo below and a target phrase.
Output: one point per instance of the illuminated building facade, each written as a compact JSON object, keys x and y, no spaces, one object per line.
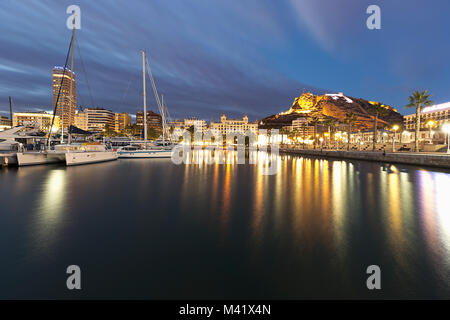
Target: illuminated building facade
{"x":438,"y":114}
{"x":154,"y":120}
{"x":121,"y":121}
{"x":198,"y":124}
{"x":96,"y":119}
{"x":42,"y":120}
{"x":66,"y":89}
{"x":81,"y":120}
{"x":5,"y":121}
{"x":302,"y":125}
{"x":233,"y":125}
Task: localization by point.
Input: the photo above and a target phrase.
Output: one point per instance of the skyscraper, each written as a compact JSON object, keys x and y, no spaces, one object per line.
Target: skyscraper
{"x":67,"y":100}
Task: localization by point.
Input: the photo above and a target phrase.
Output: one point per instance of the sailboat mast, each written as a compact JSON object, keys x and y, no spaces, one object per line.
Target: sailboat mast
{"x":163,"y":118}
{"x":10,"y":111}
{"x":62,"y":118}
{"x":145,"y":95}
{"x":71,"y":83}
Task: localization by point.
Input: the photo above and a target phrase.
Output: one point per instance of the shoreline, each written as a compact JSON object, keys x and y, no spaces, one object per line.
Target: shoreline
{"x":426,"y":159}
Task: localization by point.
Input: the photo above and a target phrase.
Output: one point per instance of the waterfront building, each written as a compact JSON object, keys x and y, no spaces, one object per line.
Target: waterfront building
{"x":121,"y":121}
{"x":233,"y":125}
{"x":98,"y":119}
{"x":197,"y":123}
{"x":81,"y":120}
{"x":302,"y":126}
{"x":5,"y":122}
{"x":438,"y":114}
{"x":432,"y":120}
{"x":178,"y":125}
{"x":67,"y":101}
{"x":175,"y":127}
{"x":42,"y":120}
{"x":154,"y":120}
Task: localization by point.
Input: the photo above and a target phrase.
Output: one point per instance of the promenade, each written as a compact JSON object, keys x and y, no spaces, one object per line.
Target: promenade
{"x":435,"y":159}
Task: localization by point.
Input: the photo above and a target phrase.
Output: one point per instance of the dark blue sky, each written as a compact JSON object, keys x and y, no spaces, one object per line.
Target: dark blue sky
{"x":211,"y":56}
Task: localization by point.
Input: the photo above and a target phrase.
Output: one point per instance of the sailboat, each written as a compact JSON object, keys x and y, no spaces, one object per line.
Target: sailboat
{"x":70,"y":153}
{"x":154,"y":150}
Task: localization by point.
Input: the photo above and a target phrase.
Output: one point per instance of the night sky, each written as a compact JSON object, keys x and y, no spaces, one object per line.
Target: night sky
{"x":211,"y":56}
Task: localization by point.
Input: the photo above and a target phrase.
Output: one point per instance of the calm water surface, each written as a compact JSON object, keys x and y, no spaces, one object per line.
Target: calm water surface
{"x":152,"y":229}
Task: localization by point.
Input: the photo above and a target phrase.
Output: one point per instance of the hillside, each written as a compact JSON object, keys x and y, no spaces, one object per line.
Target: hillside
{"x":333,"y":106}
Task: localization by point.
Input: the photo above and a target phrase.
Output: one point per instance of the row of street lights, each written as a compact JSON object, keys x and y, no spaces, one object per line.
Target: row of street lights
{"x":338,"y":136}
{"x":430,"y":124}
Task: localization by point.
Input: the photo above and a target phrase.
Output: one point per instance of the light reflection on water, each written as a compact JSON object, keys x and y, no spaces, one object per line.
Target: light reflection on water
{"x":308,"y":231}
{"x":50,"y":209}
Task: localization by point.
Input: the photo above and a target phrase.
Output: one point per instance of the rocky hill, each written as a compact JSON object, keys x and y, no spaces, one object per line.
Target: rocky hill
{"x":334,"y":106}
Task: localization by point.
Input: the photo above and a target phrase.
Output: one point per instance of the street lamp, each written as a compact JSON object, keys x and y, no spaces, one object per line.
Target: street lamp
{"x":395,"y":128}
{"x":430,"y":125}
{"x":446,"y":128}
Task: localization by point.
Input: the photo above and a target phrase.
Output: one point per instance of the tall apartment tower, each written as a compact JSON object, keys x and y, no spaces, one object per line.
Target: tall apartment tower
{"x":66,"y":106}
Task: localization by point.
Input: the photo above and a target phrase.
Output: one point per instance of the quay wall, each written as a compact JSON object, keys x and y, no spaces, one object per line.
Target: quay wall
{"x":431,"y":160}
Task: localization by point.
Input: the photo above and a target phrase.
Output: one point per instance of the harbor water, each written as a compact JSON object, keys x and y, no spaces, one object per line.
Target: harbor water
{"x":151,"y":229}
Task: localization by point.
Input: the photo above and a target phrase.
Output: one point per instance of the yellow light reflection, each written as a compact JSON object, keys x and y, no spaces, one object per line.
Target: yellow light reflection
{"x":51,"y":208}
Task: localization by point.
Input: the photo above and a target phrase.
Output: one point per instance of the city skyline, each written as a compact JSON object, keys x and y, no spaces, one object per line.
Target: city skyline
{"x":219,"y":59}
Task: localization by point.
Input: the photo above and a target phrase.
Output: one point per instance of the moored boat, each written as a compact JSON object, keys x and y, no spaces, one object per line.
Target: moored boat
{"x":83,"y":153}
{"x":160,"y":148}
{"x":137,"y":152}
{"x":35,"y":158}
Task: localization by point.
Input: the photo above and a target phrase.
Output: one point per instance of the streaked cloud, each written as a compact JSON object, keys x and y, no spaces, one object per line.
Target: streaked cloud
{"x":210,"y":57}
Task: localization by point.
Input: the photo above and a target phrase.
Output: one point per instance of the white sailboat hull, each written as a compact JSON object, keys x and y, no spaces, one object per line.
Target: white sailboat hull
{"x":141,"y":154}
{"x":35,"y":158}
{"x":77,"y":158}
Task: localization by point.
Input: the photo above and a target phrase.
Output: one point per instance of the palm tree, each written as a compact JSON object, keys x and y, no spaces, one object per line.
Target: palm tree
{"x":418,"y":100}
{"x":350,"y":119}
{"x":377,"y":110}
{"x":315,"y":121}
{"x":330,"y":123}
